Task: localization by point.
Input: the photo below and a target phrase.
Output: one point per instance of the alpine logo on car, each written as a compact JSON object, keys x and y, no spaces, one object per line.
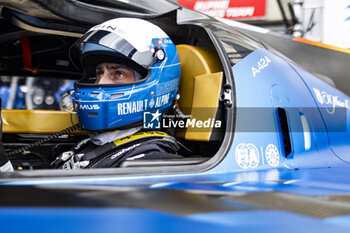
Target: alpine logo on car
{"x":261,"y":65}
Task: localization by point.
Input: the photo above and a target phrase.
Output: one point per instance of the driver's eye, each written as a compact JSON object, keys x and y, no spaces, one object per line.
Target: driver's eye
{"x":119,"y":74}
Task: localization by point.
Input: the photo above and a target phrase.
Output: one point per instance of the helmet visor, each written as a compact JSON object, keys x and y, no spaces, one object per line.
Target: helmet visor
{"x":117,"y":43}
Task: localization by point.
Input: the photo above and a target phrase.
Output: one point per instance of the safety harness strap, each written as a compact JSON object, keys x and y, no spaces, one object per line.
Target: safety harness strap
{"x":131,"y":139}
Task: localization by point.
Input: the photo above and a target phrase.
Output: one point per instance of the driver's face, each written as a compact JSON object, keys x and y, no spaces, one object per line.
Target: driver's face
{"x":110,"y":73}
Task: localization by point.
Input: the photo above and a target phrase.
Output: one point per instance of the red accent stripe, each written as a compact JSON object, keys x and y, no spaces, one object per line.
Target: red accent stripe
{"x":27,"y":56}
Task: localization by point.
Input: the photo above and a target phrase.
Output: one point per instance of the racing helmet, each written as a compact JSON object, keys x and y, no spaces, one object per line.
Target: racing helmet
{"x":137,"y":44}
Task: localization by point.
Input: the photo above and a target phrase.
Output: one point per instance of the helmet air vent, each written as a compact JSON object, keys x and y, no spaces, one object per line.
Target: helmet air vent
{"x":117,"y":95}
{"x":92,"y":114}
{"x":94,"y":94}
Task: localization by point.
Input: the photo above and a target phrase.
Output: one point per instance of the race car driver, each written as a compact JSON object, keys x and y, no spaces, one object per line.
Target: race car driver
{"x":131,"y":71}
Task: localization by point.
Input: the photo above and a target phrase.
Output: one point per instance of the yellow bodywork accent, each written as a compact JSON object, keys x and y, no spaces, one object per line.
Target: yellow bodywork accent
{"x":319,"y":44}
{"x":200,"y":87}
{"x":36,"y":121}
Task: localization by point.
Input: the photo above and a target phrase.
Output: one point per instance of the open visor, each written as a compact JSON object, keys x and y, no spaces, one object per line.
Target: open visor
{"x":111,"y":42}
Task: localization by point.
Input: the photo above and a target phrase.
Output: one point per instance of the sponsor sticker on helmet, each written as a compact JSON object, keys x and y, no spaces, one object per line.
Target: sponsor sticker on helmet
{"x":87,"y":106}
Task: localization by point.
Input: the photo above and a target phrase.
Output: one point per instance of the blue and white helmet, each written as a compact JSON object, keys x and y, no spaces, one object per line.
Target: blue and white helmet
{"x":139,"y":45}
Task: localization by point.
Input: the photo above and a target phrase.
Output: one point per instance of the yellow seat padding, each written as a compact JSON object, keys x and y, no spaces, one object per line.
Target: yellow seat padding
{"x":201,"y":80}
{"x":204,"y":108}
{"x":36,"y":121}
{"x":195,"y":61}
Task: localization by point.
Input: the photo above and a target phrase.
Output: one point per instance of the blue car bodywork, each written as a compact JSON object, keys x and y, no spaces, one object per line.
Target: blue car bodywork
{"x":283,"y":167}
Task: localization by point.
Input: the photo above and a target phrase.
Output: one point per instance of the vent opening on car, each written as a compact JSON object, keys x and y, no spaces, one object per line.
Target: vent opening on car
{"x":285,"y":132}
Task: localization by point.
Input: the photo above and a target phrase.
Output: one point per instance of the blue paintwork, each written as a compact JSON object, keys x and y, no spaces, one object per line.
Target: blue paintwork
{"x":276,"y":85}
{"x":97,"y":220}
{"x":334,"y":107}
{"x":308,"y":182}
{"x":340,"y":220}
{"x":269,"y":221}
{"x":142,"y":220}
